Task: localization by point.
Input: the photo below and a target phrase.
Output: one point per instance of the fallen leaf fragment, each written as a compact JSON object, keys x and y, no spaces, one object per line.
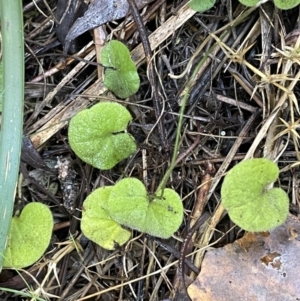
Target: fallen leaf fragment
{"x":99,"y":12}
{"x":267,"y":270}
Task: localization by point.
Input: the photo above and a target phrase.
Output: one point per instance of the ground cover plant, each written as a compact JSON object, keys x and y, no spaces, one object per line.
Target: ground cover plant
{"x":250,"y":199}
{"x":97,"y":135}
{"x":121,"y":76}
{"x":137,"y":201}
{"x":29,"y":236}
{"x":201,"y":6}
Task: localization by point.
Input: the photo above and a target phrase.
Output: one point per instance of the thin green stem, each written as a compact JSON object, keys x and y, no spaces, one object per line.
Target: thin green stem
{"x":166,"y":177}
{"x":20,"y":293}
{"x":12,"y":114}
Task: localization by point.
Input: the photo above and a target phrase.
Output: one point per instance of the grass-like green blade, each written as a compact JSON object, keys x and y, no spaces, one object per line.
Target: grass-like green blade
{"x":11,"y":17}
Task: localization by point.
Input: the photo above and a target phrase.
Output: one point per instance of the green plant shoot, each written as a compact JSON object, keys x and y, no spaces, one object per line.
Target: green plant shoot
{"x":29,"y":236}
{"x":12,"y":49}
{"x":98,"y":137}
{"x":120,"y":75}
{"x":1,"y":84}
{"x":251,"y":201}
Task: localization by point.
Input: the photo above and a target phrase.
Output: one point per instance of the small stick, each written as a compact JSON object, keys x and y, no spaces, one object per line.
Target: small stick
{"x":151,"y":75}
{"x":185,"y":244}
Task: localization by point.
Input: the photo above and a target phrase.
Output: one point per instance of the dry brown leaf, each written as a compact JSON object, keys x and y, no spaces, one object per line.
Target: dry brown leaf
{"x":100,"y":12}
{"x":268,"y":270}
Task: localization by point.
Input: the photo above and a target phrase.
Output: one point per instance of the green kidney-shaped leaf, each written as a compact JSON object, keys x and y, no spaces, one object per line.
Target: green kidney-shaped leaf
{"x":201,"y":5}
{"x":286,"y":4}
{"x":246,"y":195}
{"x":159,"y":215}
{"x":29,"y":236}
{"x":249,"y":2}
{"x":120,"y":75}
{"x":97,"y":135}
{"x":97,"y":225}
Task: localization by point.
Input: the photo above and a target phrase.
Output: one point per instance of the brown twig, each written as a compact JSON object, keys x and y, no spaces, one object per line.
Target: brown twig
{"x":151,"y":74}
{"x":186,"y":242}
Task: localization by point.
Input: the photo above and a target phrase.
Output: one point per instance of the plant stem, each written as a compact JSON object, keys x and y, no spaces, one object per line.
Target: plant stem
{"x":165,"y":179}
{"x":12,"y":115}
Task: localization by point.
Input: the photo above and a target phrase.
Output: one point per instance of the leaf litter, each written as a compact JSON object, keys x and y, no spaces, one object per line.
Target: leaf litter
{"x":98,"y":13}
{"x":222,"y":126}
{"x":257,"y":267}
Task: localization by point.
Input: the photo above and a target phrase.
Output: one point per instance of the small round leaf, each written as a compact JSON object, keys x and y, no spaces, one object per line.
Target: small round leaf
{"x":29,"y":236}
{"x":286,"y":4}
{"x":248,"y":198}
{"x":97,"y":225}
{"x":120,"y":75}
{"x":249,"y":2}
{"x":201,"y":5}
{"x":158,"y":215}
{"x":97,"y":135}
